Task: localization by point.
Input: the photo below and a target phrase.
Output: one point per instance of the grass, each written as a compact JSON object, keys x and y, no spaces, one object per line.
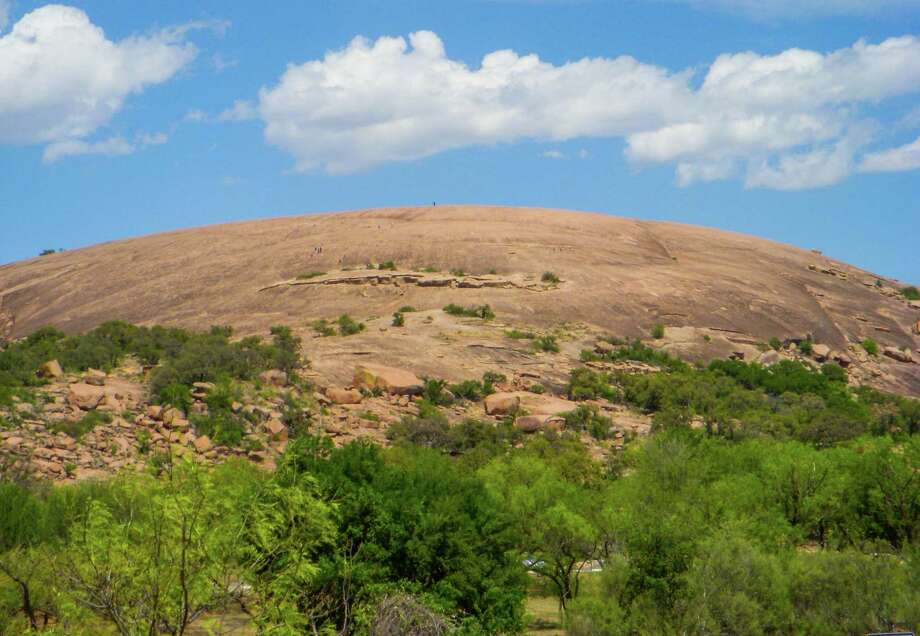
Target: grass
{"x":517,"y":334}
{"x":550,"y":277}
{"x":309,"y":275}
{"x":871,"y":346}
{"x":658,"y":331}
{"x":547,"y":344}
{"x":81,"y":427}
{"x":407,"y":309}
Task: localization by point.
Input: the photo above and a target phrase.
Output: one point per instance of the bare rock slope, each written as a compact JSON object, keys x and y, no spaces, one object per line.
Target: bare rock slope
{"x":716,"y":291}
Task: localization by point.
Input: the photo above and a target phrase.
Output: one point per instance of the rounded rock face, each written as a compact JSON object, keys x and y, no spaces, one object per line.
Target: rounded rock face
{"x":619,"y":275}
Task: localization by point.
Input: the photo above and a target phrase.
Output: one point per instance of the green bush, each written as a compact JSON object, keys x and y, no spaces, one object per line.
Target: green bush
{"x":546,"y":343}
{"x":348,"y":326}
{"x":658,"y":331}
{"x":549,"y":277}
{"x":775,"y":343}
{"x":398,"y":320}
{"x":222,"y":427}
{"x":323,"y":328}
{"x":805,"y":347}
{"x":407,"y":309}
{"x":910,"y":293}
{"x":870,"y":346}
{"x":483,"y":312}
{"x":467,"y":390}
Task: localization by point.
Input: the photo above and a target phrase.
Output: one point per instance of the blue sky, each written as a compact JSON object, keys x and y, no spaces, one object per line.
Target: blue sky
{"x":795,"y":121}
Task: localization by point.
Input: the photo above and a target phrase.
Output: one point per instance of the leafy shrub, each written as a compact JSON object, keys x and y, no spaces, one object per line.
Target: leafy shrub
{"x":549,"y":277}
{"x":175,"y":394}
{"x":457,"y":272}
{"x":407,"y":309}
{"x":222,"y":427}
{"x":585,"y":384}
{"x":539,"y":389}
{"x":348,"y":326}
{"x":546,"y":343}
{"x":870,"y":346}
{"x":483,"y":312}
{"x":323,"y":328}
{"x":636,"y":351}
{"x":658,"y":331}
{"x":910,"y":293}
{"x":489,"y":380}
{"x":389,"y":265}
{"x":467,"y":390}
{"x":805,"y":347}
{"x":587,"y":418}
{"x":398,"y":320}
{"x":434,"y":392}
{"x":775,"y":343}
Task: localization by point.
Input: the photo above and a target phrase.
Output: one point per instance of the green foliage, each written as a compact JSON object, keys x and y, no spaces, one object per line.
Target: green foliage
{"x":309,"y":275}
{"x":457,"y":272}
{"x":323,"y":328}
{"x":658,"y":331}
{"x":550,"y":277}
{"x":467,"y":390}
{"x":434,"y":392}
{"x":46,"y":252}
{"x":775,"y":343}
{"x":587,"y":418}
{"x":805,"y":347}
{"x":348,"y":326}
{"x":586,"y":384}
{"x":910,"y":293}
{"x":407,"y":309}
{"x":328,"y":568}
{"x":78,"y":428}
{"x":390,"y":265}
{"x":546,"y":343}
{"x":221,"y":426}
{"x":483,"y":312}
{"x":516,"y":334}
{"x":870,"y":346}
{"x":635,"y":351}
{"x":398,"y":320}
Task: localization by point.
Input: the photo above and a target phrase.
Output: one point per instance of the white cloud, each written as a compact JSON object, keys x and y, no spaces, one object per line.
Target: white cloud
{"x":113,"y":147}
{"x":906,"y":157}
{"x":764,"y":118}
{"x":61,"y":79}
{"x":553,"y":154}
{"x":195,"y":115}
{"x":153,"y":139}
{"x":222,"y":63}
{"x":240,"y":111}
{"x":583,"y":154}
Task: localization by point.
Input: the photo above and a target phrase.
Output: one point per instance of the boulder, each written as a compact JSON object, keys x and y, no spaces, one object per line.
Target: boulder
{"x":94,"y":377}
{"x":276,"y":429}
{"x":390,"y":379}
{"x":841,"y":358}
{"x":344,"y":396}
{"x":901,"y":355}
{"x":914,"y":304}
{"x":769,"y":358}
{"x":602,"y":346}
{"x":202,"y":444}
{"x":529,"y":423}
{"x":502,"y":403}
{"x":154,"y":411}
{"x":85,"y":396}
{"x":273,"y":377}
{"x":820,"y":352}
{"x":917,"y":328}
{"x":51,"y":369}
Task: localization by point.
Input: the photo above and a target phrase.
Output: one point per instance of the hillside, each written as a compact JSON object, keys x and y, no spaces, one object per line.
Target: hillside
{"x":717,"y":292}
